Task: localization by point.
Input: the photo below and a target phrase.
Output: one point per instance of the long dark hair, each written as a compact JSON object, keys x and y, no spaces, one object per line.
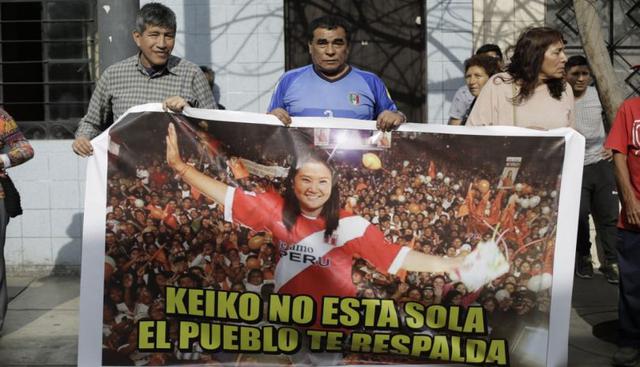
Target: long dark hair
{"x":331,"y":209}
{"x":526,"y":62}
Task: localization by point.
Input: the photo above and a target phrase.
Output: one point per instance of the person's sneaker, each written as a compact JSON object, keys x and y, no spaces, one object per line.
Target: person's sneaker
{"x":626,"y":356}
{"x":611,"y":273}
{"x":584,"y":267}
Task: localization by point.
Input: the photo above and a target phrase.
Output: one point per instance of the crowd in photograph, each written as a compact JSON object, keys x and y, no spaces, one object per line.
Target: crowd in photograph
{"x":161,"y":232}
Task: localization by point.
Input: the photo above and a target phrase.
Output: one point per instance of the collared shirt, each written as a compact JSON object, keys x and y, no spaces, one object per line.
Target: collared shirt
{"x":15,"y":147}
{"x":357,"y":94}
{"x":127,"y":84}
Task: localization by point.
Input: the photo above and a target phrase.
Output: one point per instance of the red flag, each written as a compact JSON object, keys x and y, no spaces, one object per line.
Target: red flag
{"x":506,"y":219}
{"x":482,"y":205}
{"x":467,"y":206}
{"x":494,"y":216}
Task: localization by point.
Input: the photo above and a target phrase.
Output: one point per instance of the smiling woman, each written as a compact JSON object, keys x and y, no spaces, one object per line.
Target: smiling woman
{"x":532,"y":93}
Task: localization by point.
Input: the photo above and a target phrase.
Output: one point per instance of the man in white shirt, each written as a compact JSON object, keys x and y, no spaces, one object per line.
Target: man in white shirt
{"x":599,"y":195}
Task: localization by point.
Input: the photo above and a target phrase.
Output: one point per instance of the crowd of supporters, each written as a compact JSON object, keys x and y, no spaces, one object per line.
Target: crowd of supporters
{"x":161,"y":232}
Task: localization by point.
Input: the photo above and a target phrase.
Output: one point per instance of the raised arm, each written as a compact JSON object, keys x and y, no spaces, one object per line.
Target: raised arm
{"x":209,"y":186}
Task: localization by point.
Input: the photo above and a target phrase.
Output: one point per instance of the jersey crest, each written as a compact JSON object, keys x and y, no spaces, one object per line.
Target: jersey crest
{"x":354,"y":98}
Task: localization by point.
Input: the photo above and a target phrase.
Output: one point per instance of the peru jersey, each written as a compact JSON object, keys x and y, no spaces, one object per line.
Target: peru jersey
{"x":357,"y":95}
{"x":307,"y":264}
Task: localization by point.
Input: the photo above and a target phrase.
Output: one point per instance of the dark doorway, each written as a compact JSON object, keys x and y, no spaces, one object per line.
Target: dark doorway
{"x":388,"y":40}
{"x":21,"y":31}
{"x":46,"y":64}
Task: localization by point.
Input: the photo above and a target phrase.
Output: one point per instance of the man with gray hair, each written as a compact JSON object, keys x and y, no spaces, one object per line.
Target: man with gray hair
{"x":152,"y":75}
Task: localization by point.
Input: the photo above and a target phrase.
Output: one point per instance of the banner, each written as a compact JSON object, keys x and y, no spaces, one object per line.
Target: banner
{"x":225,"y":238}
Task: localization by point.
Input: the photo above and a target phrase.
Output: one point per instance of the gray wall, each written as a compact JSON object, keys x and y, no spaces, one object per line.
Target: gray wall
{"x":449,"y":43}
{"x":49,"y":232}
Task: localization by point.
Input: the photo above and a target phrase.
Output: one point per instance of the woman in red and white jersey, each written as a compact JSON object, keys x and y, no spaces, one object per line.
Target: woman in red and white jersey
{"x":315,"y":238}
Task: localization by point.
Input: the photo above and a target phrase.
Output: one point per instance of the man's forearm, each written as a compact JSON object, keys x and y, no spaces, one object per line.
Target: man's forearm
{"x":87,"y":130}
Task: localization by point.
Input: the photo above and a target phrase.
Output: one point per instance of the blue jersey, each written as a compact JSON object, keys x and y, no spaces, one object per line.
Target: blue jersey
{"x":357,"y":94}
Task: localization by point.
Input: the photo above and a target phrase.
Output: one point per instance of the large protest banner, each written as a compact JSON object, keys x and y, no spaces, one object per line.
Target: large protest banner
{"x":447,"y":245}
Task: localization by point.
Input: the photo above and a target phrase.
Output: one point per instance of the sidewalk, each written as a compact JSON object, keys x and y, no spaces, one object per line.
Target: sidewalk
{"x":594,"y":315}
{"x":42,"y":327}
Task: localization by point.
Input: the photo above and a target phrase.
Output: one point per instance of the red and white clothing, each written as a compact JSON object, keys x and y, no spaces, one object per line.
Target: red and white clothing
{"x":307,"y":264}
{"x":624,"y":137}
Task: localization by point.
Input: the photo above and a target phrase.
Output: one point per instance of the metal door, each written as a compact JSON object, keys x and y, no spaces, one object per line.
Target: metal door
{"x":388,"y":39}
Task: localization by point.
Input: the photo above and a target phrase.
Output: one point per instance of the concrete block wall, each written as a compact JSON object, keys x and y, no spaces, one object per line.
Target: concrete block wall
{"x":47,"y":237}
{"x":502,"y":21}
{"x":449,"y":43}
{"x":241,"y":40}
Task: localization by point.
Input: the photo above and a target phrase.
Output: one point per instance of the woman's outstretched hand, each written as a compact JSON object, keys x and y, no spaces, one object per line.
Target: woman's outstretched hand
{"x":209,"y":186}
{"x":173,"y":152}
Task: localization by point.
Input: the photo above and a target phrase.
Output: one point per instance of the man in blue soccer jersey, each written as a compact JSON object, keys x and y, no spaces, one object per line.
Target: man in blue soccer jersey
{"x":330,"y":86}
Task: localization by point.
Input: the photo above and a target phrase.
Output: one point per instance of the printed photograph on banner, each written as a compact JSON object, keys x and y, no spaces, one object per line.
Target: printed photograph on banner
{"x":321,"y":137}
{"x":232,"y":243}
{"x":509,"y":173}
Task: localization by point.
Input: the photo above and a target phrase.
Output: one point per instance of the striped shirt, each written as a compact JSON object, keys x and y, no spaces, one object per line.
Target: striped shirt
{"x":127,"y":84}
{"x":14,"y":147}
